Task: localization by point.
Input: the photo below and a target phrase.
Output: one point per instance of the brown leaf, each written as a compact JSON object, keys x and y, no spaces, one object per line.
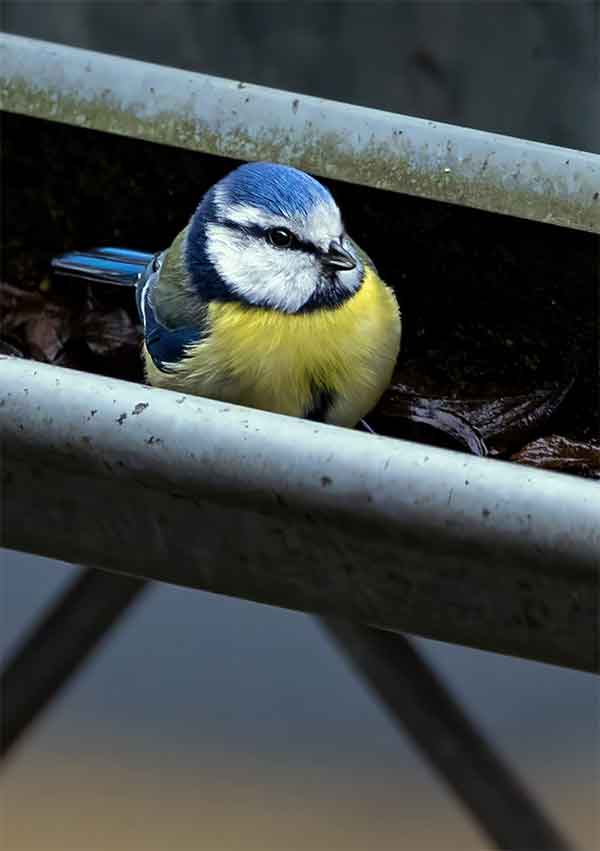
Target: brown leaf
{"x":556,"y":452}
{"x":501,"y":419}
{"x":18,"y":306}
{"x":106,"y":332}
{"x":414,"y":418}
{"x":48,"y":332}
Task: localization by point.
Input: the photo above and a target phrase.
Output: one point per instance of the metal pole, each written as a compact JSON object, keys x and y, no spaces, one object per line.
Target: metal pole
{"x":337,"y":140}
{"x":58,"y":645}
{"x":419,"y":702}
{"x":242,"y":502}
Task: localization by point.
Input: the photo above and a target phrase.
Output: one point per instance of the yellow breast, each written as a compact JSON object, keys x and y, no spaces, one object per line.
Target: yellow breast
{"x":273,"y":361}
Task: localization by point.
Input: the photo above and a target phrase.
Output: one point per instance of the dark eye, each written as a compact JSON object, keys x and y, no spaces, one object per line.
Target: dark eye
{"x":280,"y":237}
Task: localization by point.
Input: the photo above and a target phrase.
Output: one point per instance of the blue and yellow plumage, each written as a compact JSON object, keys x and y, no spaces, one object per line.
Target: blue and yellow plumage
{"x":264,"y":301}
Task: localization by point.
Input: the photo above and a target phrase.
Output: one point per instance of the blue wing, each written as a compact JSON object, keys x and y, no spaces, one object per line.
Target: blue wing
{"x":104,"y":265}
{"x":166,"y":346}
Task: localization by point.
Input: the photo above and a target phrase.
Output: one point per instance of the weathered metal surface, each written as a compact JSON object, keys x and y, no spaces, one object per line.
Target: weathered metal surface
{"x":200,"y":493}
{"x":247,"y":122}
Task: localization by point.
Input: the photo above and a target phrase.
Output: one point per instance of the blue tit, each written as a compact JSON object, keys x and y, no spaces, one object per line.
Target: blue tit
{"x":264,"y":300}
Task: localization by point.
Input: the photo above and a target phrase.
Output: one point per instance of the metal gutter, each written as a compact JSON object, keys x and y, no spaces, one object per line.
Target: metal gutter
{"x":331,"y":139}
{"x":177,"y":488}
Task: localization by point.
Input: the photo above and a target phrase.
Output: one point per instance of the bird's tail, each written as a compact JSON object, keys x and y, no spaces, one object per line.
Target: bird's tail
{"x":121,"y":266}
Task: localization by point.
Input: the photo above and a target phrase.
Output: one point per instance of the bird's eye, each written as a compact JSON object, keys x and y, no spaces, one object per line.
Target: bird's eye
{"x":280,"y":237}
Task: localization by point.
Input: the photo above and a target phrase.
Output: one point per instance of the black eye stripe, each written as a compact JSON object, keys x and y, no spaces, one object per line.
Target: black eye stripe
{"x":259,"y":233}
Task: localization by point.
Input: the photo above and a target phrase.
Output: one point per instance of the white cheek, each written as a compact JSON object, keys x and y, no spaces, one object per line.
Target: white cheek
{"x":259,"y":273}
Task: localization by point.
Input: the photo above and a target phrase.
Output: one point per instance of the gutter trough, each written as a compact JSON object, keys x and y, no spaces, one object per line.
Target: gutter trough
{"x":365,"y":146}
{"x":150,"y":483}
{"x":154,"y":484}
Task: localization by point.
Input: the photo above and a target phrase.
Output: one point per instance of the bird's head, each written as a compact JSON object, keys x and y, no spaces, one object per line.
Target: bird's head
{"x":271,"y":236}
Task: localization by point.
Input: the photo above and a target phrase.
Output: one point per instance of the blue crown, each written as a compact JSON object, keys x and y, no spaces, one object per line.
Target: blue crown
{"x":277,"y":189}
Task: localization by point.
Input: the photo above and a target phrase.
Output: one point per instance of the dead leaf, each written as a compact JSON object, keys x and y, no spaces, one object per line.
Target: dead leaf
{"x":492,"y":423}
{"x":106,"y":332}
{"x":556,"y":452}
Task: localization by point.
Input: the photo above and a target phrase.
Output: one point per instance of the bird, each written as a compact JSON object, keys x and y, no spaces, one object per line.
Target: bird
{"x":262,"y":300}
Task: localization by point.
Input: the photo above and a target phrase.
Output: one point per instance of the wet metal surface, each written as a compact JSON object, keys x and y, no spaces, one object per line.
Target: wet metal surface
{"x":337,"y":140}
{"x":198,"y":493}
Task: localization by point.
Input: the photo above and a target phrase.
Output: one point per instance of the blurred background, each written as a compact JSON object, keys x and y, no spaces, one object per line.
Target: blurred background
{"x":208,"y":722}
{"x":527,"y":69}
{"x":215,"y":723}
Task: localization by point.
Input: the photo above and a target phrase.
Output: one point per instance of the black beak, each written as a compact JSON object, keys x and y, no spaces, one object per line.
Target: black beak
{"x":338,"y":258}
